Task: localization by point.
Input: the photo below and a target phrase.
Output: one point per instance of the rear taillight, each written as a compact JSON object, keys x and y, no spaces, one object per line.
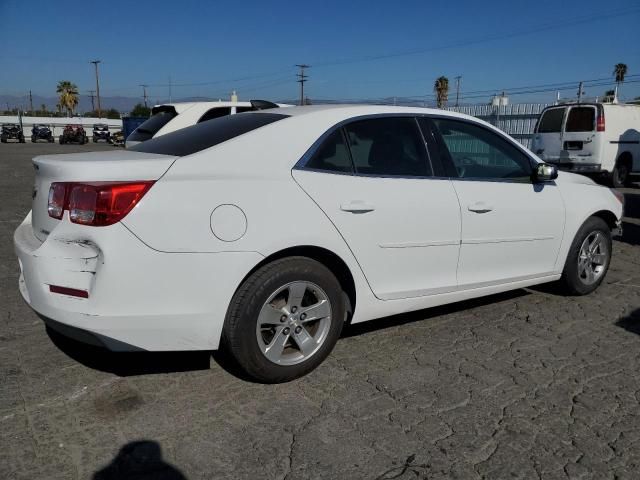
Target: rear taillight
{"x":97,"y":203}
{"x":57,"y":195}
{"x":600,"y":122}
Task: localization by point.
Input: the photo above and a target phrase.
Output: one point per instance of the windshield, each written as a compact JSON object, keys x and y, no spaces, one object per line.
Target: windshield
{"x":206,"y":134}
{"x":150,"y":127}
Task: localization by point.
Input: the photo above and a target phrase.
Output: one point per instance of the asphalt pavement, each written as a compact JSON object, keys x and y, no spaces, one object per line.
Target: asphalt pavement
{"x":527,"y":384}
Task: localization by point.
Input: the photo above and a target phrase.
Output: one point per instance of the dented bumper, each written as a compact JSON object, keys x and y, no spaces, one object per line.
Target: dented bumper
{"x":136,"y":297}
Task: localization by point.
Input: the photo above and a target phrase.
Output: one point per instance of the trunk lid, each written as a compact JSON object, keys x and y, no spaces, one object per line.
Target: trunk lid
{"x":88,"y":167}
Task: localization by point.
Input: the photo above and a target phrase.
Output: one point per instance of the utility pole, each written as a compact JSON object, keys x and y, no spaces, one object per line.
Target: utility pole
{"x":458,"y":78}
{"x":580,"y":93}
{"x":91,"y":94}
{"x":30,"y":102}
{"x":95,"y":63}
{"x":144,"y":93}
{"x":302,"y":77}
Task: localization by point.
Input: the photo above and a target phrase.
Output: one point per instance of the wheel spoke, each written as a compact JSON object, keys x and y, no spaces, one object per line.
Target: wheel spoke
{"x":305,"y":342}
{"x":276,"y":346}
{"x":270,"y":315}
{"x":599,"y":258}
{"x":595,"y":243}
{"x":296,"y":292}
{"x":321,"y":309}
{"x":590,"y":274}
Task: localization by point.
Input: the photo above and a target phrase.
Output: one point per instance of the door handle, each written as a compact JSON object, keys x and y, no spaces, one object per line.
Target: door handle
{"x":357,"y":206}
{"x":480,"y":207}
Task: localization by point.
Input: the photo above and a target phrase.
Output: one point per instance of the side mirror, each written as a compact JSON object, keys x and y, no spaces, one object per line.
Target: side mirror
{"x":545,"y":172}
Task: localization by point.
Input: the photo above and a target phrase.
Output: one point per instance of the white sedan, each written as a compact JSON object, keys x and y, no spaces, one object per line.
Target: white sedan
{"x":263,"y":233}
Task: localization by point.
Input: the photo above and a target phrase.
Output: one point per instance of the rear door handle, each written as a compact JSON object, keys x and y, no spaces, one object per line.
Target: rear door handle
{"x":480,"y":207}
{"x":357,"y":206}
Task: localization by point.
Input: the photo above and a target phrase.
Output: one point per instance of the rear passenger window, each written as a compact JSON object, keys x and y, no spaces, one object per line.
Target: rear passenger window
{"x":388,"y":146}
{"x":215,"y":112}
{"x":551,"y":121}
{"x":581,"y":119}
{"x":332,"y":155}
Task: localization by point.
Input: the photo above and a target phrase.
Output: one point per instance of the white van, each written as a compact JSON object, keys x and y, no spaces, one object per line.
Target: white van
{"x":170,"y":117}
{"x":591,"y":138}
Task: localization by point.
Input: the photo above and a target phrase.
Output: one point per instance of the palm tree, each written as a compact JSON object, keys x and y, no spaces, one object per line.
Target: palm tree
{"x":619,"y":71}
{"x":441,"y":87}
{"x":68,"y":96}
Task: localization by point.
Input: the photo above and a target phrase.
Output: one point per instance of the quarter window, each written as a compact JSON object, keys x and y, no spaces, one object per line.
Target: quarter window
{"x":477,"y":152}
{"x":388,"y":146}
{"x":332,"y":155}
{"x":215,"y":112}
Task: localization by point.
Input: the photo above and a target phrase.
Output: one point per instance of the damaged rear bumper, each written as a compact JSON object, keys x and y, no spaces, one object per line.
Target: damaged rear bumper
{"x":136,"y":297}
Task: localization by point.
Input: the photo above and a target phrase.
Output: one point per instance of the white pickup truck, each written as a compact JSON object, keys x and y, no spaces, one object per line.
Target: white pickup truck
{"x":591,"y":138}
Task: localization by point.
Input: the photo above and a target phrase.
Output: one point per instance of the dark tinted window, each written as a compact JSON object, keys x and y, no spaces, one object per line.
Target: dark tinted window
{"x":150,"y":127}
{"x":478,"y":152}
{"x":551,"y":121}
{"x":244,"y":109}
{"x":388,"y":146}
{"x":215,"y":112}
{"x":581,"y":119}
{"x":332,"y":155}
{"x":207,"y":134}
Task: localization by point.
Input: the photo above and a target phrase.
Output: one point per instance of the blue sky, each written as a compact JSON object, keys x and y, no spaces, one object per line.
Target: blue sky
{"x":253,"y":46}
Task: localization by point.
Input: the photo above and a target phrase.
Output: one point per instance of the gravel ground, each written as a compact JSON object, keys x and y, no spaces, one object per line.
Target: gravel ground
{"x":521,"y":385}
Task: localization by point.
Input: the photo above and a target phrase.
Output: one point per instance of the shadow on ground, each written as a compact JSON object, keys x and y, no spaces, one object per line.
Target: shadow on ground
{"x":631,"y":323}
{"x":126,"y":364}
{"x":140,"y":460}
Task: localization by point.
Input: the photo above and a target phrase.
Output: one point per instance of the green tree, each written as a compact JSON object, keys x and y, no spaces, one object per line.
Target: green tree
{"x":619,"y":72}
{"x":67,"y":96}
{"x":441,"y":88}
{"x":140,"y":111}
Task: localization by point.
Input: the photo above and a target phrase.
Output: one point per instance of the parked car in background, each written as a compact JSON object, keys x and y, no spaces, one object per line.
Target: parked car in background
{"x":263,"y":233}
{"x":41,"y":132}
{"x":11,"y":131}
{"x":101,"y":132}
{"x":73,"y":134}
{"x":174,"y":116}
{"x":602,"y":139}
{"x":117,"y":139}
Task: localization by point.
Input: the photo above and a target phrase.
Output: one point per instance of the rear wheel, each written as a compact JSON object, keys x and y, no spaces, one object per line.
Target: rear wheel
{"x":284,"y":319}
{"x":588,"y":259}
{"x":33,"y":139}
{"x":621,"y":175}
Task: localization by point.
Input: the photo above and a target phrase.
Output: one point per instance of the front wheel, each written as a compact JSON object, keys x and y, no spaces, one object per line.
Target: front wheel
{"x":588,"y":259}
{"x":284,"y":320}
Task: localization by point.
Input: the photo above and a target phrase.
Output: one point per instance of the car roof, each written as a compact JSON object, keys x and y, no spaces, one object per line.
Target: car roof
{"x":182,"y":106}
{"x":339,"y":112}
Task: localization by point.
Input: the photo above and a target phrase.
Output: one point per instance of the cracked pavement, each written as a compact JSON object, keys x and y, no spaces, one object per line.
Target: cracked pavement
{"x":526,"y":384}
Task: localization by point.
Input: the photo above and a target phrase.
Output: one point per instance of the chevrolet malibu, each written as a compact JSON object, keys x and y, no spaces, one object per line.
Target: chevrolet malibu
{"x":262,"y":233}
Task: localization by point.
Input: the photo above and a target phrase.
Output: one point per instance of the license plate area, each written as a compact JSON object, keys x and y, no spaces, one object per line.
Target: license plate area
{"x":573,"y":145}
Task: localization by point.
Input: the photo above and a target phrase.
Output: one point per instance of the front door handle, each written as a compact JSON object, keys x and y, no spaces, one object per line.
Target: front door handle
{"x":480,"y":207}
{"x":357,"y":206}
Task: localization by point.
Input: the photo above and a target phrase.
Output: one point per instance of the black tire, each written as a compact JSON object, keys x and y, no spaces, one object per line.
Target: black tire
{"x":33,"y":139}
{"x":239,"y":338}
{"x":621,"y":175}
{"x":571,"y":281}
{"x":3,"y":140}
{"x":22,"y":140}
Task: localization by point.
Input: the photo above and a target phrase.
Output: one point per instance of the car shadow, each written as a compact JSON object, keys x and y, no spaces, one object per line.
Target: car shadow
{"x":352,"y":330}
{"x":631,"y":323}
{"x":126,"y":364}
{"x":630,"y":233}
{"x":140,"y":460}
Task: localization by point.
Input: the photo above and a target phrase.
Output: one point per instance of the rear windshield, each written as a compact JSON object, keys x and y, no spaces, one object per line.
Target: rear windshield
{"x":147,"y":129}
{"x":551,"y":121}
{"x":581,"y":119}
{"x":206,"y":134}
